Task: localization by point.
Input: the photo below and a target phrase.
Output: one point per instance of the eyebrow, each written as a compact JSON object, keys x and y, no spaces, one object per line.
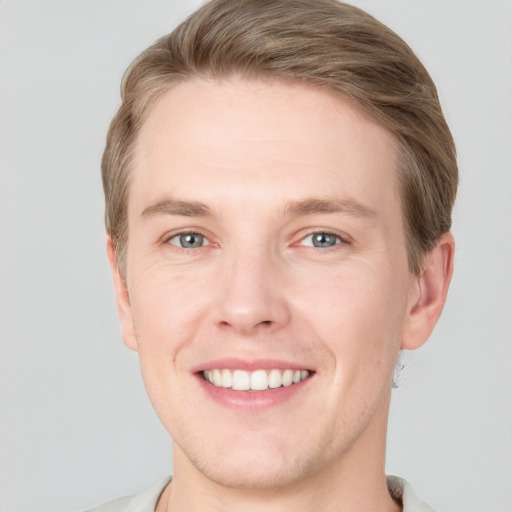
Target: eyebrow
{"x":300,"y":208}
{"x":171,"y":206}
{"x":312,"y":206}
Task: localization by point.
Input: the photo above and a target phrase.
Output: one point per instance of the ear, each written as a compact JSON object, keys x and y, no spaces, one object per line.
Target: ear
{"x":124,"y":308}
{"x":428,"y":293}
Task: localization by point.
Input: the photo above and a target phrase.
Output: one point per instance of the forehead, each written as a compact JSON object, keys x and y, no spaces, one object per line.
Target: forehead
{"x":259,"y":138}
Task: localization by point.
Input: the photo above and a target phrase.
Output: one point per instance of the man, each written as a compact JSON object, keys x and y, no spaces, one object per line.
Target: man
{"x":279,"y":181}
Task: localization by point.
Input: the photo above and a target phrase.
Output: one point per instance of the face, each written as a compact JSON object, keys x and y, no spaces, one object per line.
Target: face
{"x":267,"y":288}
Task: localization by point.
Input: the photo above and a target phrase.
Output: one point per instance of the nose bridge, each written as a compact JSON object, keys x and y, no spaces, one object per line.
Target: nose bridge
{"x":251,"y":298}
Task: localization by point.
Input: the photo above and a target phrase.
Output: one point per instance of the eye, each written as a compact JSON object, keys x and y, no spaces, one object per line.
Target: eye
{"x":188,"y":240}
{"x":321,"y":240}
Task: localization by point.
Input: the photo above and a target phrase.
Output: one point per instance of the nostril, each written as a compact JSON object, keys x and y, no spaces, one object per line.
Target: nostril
{"x":246,"y":329}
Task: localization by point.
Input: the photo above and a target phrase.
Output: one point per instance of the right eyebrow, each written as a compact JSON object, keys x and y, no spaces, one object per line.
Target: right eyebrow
{"x":169,"y":206}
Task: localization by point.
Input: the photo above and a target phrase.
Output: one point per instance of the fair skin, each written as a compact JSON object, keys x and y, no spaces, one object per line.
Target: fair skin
{"x":265,"y":235}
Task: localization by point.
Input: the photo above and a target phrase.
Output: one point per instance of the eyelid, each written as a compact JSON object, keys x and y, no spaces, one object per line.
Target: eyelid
{"x":179,"y":236}
{"x":187,"y":231}
{"x":342,"y":237}
{"x":338,"y":241}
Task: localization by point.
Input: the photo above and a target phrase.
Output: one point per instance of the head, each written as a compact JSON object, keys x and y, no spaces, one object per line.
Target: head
{"x":279,"y":180}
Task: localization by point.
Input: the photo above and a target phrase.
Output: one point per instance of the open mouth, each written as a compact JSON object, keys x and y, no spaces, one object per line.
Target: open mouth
{"x":258,"y":380}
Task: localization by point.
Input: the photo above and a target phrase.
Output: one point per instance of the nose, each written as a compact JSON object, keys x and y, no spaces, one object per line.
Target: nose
{"x":252,"y":295}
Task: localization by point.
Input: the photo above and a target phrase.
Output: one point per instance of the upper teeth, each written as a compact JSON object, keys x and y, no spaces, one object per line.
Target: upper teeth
{"x":259,"y":380}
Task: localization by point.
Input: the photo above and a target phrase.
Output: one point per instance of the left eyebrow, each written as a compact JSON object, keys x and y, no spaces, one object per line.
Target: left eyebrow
{"x":312,"y":206}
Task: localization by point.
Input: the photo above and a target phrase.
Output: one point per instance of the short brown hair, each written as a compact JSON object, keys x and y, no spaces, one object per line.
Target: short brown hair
{"x":324,"y":43}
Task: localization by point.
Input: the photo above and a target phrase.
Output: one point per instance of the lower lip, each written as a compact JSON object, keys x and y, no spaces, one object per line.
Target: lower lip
{"x":252,"y":401}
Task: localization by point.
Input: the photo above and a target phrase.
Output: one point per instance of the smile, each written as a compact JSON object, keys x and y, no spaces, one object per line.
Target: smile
{"x":259,"y":380}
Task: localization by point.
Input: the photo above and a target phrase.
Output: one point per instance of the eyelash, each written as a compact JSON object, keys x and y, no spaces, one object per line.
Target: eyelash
{"x":168,"y":239}
{"x":340,"y":240}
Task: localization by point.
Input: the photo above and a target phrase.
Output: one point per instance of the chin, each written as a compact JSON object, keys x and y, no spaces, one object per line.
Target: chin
{"x":260,"y":473}
{"x":253,"y":465}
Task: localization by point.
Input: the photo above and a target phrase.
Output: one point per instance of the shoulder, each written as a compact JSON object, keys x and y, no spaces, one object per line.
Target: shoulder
{"x":403,"y":493}
{"x":144,"y":501}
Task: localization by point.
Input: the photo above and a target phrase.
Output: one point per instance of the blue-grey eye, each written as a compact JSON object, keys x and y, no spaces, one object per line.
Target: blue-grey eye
{"x":188,"y":240}
{"x":321,"y":240}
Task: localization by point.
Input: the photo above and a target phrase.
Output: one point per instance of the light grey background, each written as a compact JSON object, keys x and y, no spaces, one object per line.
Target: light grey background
{"x":75,"y":426}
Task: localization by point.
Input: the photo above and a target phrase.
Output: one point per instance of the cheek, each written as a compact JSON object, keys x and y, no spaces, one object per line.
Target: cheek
{"x":166,"y":308}
{"x":358,"y":315}
{"x":166,"y":313}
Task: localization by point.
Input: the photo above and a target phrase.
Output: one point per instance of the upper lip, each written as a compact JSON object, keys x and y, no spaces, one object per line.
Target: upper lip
{"x":232,"y":363}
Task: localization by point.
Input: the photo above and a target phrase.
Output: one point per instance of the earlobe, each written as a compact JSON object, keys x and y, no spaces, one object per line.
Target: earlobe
{"x":428,"y":293}
{"x":122,"y":298}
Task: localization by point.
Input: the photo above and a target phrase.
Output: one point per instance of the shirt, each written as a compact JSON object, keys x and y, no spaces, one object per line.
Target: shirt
{"x":146,"y":500}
